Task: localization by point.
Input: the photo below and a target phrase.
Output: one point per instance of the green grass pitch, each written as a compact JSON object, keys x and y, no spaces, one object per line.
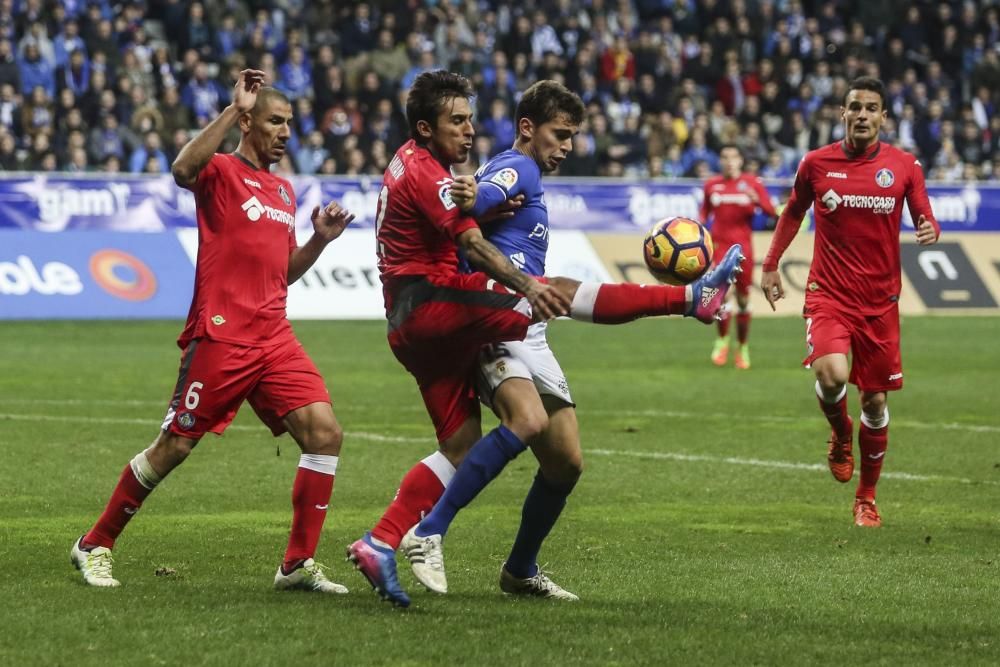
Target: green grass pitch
{"x":706,"y":528}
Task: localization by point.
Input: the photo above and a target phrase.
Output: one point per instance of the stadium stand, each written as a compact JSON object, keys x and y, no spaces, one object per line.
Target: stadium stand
{"x":98,"y":85}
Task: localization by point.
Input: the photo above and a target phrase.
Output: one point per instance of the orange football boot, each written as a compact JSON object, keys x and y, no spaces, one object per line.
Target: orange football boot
{"x":839,"y":457}
{"x":866,"y":514}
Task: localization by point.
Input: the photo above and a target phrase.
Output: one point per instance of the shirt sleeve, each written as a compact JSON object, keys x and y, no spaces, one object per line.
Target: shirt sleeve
{"x":765,"y":198}
{"x":497,"y":186}
{"x":791,"y":218}
{"x":706,"y":204}
{"x":208,"y":175}
{"x":917,"y":200}
{"x":433,"y":200}
{"x":292,"y":242}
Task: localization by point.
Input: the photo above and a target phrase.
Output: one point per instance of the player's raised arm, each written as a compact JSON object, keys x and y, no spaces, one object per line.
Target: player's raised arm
{"x":546,"y":302}
{"x":197,"y":152}
{"x":329,"y":223}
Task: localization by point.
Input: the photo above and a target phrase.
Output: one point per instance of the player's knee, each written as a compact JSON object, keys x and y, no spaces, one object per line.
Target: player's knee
{"x":172,"y":450}
{"x":830,"y":378}
{"x":873,"y":405}
{"x":323,"y":438}
{"x":529,"y":424}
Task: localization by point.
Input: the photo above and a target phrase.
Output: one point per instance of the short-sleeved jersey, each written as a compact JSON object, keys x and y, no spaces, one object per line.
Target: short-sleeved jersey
{"x":524,"y":238}
{"x":858,"y":206}
{"x":416,"y":221}
{"x":728,"y":207}
{"x":246,"y":232}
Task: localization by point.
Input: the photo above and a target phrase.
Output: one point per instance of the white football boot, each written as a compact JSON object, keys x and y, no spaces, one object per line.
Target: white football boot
{"x":94,"y":565}
{"x":307,"y":577}
{"x":426,"y":560}
{"x":536,"y":586}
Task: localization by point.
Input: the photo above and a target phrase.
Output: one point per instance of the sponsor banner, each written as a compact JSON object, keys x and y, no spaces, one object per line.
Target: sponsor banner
{"x":93,"y":275}
{"x":46,"y":202}
{"x":344,"y":282}
{"x":960,"y":274}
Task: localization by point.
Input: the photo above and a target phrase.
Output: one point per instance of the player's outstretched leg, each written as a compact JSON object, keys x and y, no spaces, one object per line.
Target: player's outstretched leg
{"x":537,"y":586}
{"x":308,"y":576}
{"x":708,"y":293}
{"x":94,"y":564}
{"x":378,"y":564}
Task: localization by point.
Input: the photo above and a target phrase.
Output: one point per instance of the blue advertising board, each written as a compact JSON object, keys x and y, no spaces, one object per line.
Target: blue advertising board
{"x":134,"y":203}
{"x":83,"y":275}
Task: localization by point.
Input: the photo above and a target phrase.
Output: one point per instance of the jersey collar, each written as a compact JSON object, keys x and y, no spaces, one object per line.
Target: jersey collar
{"x":864,"y":156}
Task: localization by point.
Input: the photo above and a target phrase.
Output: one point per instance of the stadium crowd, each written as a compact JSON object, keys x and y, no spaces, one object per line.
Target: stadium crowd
{"x":100,"y":85}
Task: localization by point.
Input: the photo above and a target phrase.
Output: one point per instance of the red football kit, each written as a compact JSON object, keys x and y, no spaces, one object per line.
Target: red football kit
{"x":854,"y":281}
{"x":238,"y":343}
{"x":438,"y":318}
{"x":731,"y":204}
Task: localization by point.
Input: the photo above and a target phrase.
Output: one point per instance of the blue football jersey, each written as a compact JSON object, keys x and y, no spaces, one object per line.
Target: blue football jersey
{"x":524,"y":238}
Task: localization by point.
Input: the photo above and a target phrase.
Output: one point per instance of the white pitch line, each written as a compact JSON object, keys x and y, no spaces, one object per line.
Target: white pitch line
{"x":780,"y":465}
{"x":659,"y":456}
{"x":152,"y":423}
{"x":677,"y":414}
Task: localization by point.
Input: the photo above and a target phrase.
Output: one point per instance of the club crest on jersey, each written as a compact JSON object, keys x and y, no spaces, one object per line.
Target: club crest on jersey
{"x":505,"y":178}
{"x":185,"y":420}
{"x":885,"y":178}
{"x":284,"y":195}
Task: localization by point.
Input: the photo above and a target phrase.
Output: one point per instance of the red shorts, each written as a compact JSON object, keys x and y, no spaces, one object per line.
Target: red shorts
{"x":215,"y":378}
{"x":873,"y":343}
{"x":744,"y":280}
{"x":437,"y":326}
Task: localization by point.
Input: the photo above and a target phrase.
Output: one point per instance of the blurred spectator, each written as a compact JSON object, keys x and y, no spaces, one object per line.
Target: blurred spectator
{"x":770,"y":75}
{"x":500,"y":125}
{"x":151,"y":149}
{"x":204,"y":95}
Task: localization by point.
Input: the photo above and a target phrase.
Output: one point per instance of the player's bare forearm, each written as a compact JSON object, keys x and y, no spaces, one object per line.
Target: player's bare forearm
{"x":304,"y":257}
{"x":485,"y":256}
{"x":329,"y":223}
{"x":197,"y":152}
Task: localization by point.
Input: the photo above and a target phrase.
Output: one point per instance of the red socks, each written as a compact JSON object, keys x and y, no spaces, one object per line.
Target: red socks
{"x":610,"y":303}
{"x":723,"y":324}
{"x":310,"y":499}
{"x":836,"y":414}
{"x":873,"y":443}
{"x":124,"y":503}
{"x":418,"y":492}
{"x":742,"y":327}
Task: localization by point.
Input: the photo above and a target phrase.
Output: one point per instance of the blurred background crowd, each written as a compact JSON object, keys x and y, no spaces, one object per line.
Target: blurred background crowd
{"x":99,"y":85}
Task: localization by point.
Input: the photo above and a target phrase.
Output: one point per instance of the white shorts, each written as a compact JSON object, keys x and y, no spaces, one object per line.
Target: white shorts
{"x":530,"y":359}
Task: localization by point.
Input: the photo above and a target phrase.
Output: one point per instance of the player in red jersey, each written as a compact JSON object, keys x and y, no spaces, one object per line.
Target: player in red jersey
{"x":439,"y":319}
{"x":856,"y":187}
{"x":728,"y":206}
{"x":237,"y":344}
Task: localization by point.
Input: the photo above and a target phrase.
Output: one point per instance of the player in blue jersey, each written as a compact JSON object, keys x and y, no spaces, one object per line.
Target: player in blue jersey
{"x":522,"y":380}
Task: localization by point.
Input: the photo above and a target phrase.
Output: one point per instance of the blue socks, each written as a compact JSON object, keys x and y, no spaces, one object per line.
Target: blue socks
{"x":542,"y":507}
{"x":483,"y":462}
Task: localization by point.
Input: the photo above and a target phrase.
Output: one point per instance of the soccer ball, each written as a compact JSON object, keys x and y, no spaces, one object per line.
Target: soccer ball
{"x":677,"y":250}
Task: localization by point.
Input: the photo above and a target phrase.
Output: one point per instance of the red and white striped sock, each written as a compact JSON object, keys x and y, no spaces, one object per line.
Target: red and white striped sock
{"x":420,"y":489}
{"x":310,"y":500}
{"x":137,"y":481}
{"x":610,"y":303}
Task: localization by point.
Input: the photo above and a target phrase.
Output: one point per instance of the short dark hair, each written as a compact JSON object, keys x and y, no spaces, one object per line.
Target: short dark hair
{"x":429,"y":93}
{"x":543,"y":101}
{"x":733,"y":147}
{"x":266,"y":93}
{"x":866,"y":83}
